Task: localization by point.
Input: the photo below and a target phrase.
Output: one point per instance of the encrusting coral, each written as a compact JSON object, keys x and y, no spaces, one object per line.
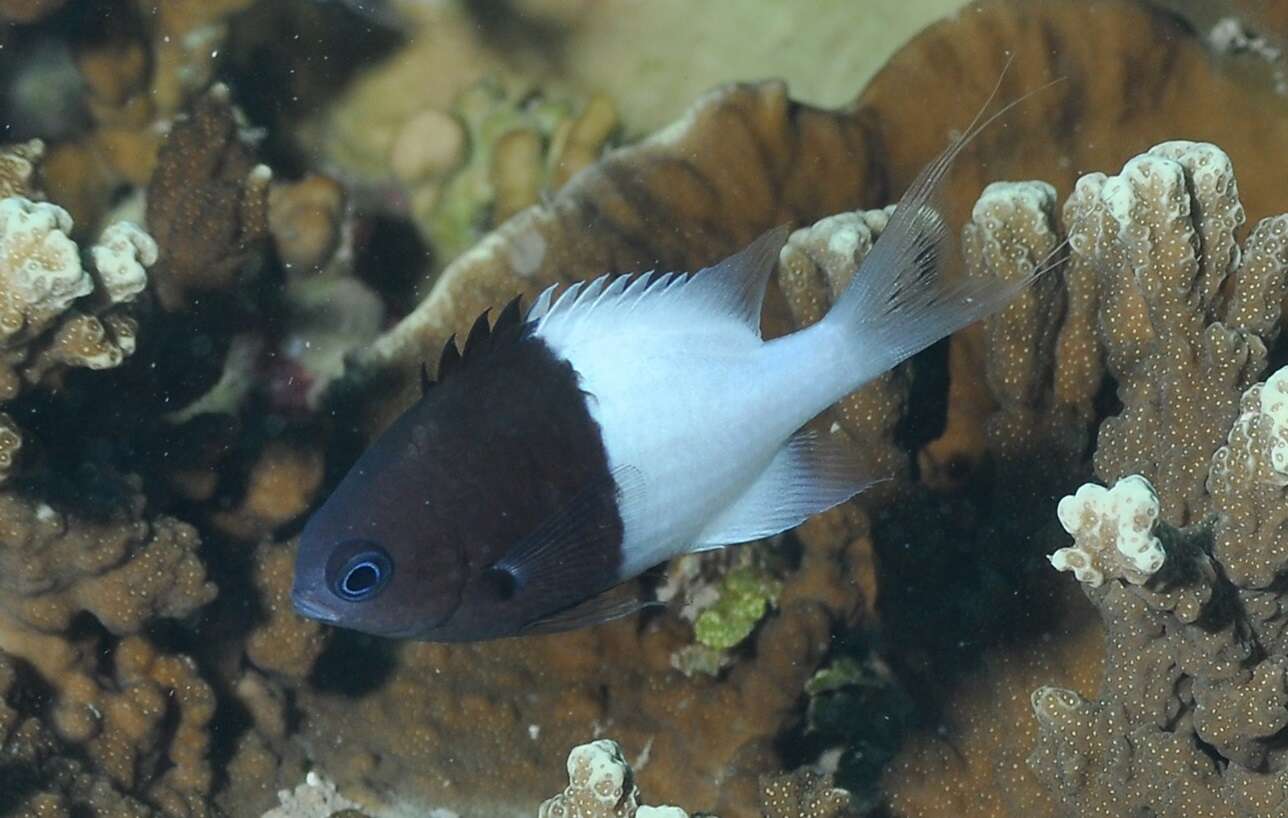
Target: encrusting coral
{"x":601,"y":784}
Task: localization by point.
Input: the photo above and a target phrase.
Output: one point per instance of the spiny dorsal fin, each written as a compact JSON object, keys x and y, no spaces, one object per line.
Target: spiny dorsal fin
{"x":450,"y":359}
{"x":729,"y":293}
{"x":479,"y":335}
{"x":481,"y":339}
{"x":740,"y":280}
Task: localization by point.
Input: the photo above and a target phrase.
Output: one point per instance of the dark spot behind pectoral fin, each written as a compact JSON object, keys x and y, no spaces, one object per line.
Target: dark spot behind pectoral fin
{"x":617,"y":602}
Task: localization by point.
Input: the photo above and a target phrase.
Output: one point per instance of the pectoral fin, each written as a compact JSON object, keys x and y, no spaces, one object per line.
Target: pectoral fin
{"x":572,"y":549}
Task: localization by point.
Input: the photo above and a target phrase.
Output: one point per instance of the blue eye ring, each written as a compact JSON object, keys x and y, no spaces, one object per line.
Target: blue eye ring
{"x":364,"y":574}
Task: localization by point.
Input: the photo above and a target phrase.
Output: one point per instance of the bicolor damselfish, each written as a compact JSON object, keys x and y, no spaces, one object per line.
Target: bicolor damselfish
{"x":634,"y":418}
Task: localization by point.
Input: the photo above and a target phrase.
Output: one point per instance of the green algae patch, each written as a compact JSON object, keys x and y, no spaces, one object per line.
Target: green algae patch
{"x":746,"y":594}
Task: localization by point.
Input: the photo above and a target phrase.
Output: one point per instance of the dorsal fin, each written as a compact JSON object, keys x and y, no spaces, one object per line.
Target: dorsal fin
{"x":482,"y":338}
{"x":731,"y":293}
{"x":478,"y":336}
{"x":450,"y":358}
{"x":739,"y":281}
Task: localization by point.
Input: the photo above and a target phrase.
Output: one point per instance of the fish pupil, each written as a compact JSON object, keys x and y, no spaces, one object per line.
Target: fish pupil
{"x":361,"y":578}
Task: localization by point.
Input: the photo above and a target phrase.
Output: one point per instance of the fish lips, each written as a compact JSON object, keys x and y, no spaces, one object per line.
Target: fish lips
{"x":308,"y":608}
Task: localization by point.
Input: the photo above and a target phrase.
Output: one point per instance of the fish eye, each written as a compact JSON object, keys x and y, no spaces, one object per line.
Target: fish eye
{"x":364,"y":574}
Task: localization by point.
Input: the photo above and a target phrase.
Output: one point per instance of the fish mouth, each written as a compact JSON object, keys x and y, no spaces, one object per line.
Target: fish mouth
{"x":312,"y":611}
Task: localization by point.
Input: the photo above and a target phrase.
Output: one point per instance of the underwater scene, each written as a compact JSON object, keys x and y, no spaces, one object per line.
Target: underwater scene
{"x":643,"y":408}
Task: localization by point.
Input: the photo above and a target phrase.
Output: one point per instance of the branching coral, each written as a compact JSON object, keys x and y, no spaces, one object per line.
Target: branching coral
{"x":1178,"y":331}
{"x":55,"y":314}
{"x":816,"y":265}
{"x":207,"y":203}
{"x":1192,"y":664}
{"x":42,"y":277}
{"x":1195,"y":654}
{"x":124,"y":573}
{"x":803,"y":794}
{"x":1182,"y":349}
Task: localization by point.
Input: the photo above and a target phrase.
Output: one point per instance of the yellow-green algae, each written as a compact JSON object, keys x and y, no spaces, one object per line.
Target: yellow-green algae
{"x":746,"y":594}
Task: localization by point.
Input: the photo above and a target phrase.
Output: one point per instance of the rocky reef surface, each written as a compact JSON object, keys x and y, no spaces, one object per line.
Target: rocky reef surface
{"x":231,"y":232}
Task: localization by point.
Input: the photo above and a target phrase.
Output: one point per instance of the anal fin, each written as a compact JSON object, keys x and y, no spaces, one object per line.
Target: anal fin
{"x":810,"y":474}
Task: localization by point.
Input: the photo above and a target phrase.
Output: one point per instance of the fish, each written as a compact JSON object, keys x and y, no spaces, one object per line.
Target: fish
{"x":564,"y":450}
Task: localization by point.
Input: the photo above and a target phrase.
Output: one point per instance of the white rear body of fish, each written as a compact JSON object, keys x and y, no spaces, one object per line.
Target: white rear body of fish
{"x":701,"y":418}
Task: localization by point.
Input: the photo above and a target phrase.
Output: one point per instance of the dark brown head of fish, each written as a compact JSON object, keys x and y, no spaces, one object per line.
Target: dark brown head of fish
{"x":484,"y":511}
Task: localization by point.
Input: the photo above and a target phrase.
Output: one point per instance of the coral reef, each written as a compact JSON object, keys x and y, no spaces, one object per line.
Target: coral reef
{"x":55,"y":314}
{"x":1161,"y":237}
{"x":259,"y":326}
{"x":521,"y":147}
{"x":1150,"y":251}
{"x":1195,"y":669}
{"x":601,"y":785}
{"x":124,"y":573}
{"x":207,"y":203}
{"x":815,"y":268}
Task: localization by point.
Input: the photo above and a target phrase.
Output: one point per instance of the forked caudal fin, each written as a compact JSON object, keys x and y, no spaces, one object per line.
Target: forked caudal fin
{"x":897,"y":304}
